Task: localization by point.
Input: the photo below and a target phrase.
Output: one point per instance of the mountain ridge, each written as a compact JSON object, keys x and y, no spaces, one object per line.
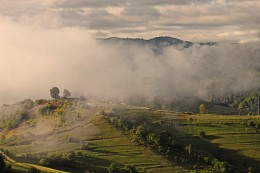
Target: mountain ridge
{"x":161,"y":41}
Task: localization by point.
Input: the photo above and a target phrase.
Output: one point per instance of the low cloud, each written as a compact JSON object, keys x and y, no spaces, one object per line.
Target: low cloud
{"x":34,"y":58}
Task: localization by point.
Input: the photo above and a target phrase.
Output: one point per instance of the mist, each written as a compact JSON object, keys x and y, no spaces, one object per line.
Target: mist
{"x":34,"y":58}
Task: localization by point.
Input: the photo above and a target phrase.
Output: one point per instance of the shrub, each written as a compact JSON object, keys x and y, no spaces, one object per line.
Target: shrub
{"x":206,"y":159}
{"x":79,"y":153}
{"x":114,"y":168}
{"x":222,"y":166}
{"x":44,"y":161}
{"x":251,"y":124}
{"x":47,"y":109}
{"x":40,"y":101}
{"x":250,"y":170}
{"x":129,"y":169}
{"x":202,"y":134}
{"x":34,"y":170}
{"x":140,"y":131}
{"x":84,"y":146}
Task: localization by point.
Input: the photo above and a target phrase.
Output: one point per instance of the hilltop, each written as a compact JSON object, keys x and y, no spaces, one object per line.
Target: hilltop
{"x":158,"y":42}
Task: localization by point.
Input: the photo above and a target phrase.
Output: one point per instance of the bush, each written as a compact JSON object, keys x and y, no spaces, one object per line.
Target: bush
{"x":34,"y":170}
{"x":222,"y":166}
{"x":140,"y":131}
{"x":206,"y":159}
{"x":84,"y":146}
{"x":47,"y":109}
{"x":251,"y":124}
{"x":44,"y":161}
{"x":202,"y":134}
{"x":129,"y":169}
{"x":114,"y":168}
{"x":41,"y":101}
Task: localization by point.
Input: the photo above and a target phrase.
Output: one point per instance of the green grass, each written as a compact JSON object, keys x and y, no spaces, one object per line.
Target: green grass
{"x":119,"y":148}
{"x":229,"y":133}
{"x":107,"y":145}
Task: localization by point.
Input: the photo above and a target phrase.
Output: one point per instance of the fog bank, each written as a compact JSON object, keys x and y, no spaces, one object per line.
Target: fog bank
{"x":35,"y":58}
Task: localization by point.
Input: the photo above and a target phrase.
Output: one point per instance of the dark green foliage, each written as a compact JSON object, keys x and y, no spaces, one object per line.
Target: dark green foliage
{"x":66,"y":93}
{"x":251,"y":124}
{"x":250,"y":170}
{"x":2,"y":163}
{"x":245,"y":101}
{"x":114,"y":168}
{"x":55,"y":92}
{"x":44,"y":161}
{"x":140,"y":131}
{"x":48,"y":109}
{"x":4,"y":168}
{"x":202,"y":134}
{"x":58,"y":159}
{"x":129,"y":169}
{"x":41,"y":101}
{"x":12,"y":116}
{"x":222,"y":167}
{"x":34,"y":170}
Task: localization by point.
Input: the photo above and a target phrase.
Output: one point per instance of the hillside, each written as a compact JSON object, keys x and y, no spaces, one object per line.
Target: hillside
{"x":78,"y":136}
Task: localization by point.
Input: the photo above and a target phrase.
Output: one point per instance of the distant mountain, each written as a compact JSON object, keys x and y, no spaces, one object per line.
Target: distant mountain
{"x":157,"y":42}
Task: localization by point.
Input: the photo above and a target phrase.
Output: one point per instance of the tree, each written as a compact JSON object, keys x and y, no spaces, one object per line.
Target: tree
{"x":55,"y":92}
{"x":202,"y":109}
{"x":66,"y":93}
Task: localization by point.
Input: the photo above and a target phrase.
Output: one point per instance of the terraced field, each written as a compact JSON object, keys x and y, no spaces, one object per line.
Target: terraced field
{"x":227,"y":137}
{"x":104,"y":145}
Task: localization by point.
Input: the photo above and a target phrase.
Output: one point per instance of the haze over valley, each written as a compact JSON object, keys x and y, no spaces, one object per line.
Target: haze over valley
{"x":129,"y":86}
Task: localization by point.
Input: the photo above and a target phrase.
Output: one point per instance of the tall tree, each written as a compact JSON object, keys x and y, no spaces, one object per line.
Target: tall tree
{"x":66,"y":93}
{"x":55,"y":92}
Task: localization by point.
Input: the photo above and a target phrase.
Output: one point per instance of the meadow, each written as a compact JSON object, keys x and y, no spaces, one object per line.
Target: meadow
{"x":96,"y":137}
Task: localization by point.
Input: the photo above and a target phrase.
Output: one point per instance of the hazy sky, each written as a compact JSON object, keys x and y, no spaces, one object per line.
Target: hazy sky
{"x":194,"y":20}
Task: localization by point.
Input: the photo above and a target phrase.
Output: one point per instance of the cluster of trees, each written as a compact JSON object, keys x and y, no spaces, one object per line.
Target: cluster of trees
{"x":246,"y":101}
{"x":12,"y":115}
{"x":255,"y":125}
{"x":58,"y":159}
{"x":55,"y":91}
{"x":164,"y":143}
{"x":117,"y":168}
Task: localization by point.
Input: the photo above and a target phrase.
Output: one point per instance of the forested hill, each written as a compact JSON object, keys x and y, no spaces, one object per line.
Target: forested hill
{"x":248,"y":102}
{"x":154,"y":42}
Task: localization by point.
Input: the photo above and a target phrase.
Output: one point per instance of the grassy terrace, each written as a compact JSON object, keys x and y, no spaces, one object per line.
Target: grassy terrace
{"x":230,"y":138}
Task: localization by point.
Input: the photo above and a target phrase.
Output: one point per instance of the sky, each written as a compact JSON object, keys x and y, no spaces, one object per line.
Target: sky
{"x":192,"y":20}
